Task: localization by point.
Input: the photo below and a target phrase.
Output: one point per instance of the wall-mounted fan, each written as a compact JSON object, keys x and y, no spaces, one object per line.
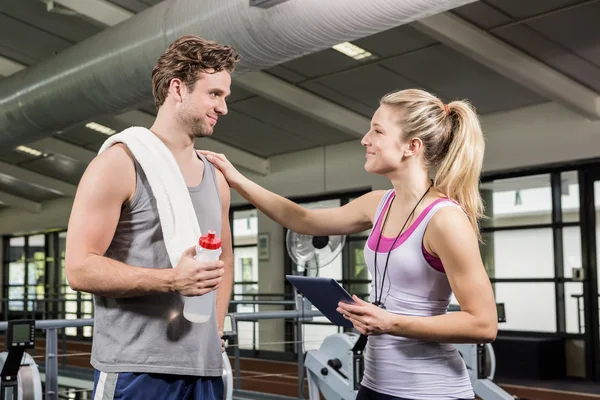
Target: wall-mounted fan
{"x":310,"y":253}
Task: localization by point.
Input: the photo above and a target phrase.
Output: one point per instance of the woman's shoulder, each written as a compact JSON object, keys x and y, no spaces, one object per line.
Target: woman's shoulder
{"x":448,"y":218}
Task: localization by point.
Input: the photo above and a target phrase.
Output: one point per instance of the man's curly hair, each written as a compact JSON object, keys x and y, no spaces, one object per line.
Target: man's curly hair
{"x":185,"y":58}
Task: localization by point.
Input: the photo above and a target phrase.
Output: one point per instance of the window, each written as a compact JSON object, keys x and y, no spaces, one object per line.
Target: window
{"x":529,"y":306}
{"x":530,"y":250}
{"x":571,"y":249}
{"x":36,"y":268}
{"x":36,"y":284}
{"x":25,"y":271}
{"x":569,"y":190}
{"x":360,"y":277}
{"x":517,"y":201}
{"x":524,"y":253}
{"x":245,"y":287}
{"x":245,"y":272}
{"x":245,"y":233}
{"x":16,"y":274}
{"x":62,"y":248}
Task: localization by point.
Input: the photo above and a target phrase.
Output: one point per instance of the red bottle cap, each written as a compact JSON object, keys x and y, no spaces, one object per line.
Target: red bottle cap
{"x":210,"y":241}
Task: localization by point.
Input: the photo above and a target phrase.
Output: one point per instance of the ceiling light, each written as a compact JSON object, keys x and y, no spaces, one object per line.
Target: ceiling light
{"x":99,"y":10}
{"x":29,"y":150}
{"x":100,"y":128}
{"x":352,"y":50}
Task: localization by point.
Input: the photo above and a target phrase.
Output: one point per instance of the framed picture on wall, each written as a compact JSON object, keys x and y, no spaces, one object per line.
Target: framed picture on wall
{"x":263,"y":246}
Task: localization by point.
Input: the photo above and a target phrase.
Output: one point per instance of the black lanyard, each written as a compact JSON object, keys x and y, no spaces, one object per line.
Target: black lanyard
{"x":378,"y":299}
{"x":361,"y":342}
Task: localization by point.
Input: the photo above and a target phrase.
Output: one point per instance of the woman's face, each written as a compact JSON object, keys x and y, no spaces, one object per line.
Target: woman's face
{"x":383,"y":142}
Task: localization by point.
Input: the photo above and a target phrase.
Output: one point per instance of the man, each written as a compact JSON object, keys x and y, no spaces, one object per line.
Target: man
{"x":143,"y":347}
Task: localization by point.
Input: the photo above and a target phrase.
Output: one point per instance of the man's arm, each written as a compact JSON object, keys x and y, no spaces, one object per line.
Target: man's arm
{"x":225,"y":288}
{"x":107,"y":184}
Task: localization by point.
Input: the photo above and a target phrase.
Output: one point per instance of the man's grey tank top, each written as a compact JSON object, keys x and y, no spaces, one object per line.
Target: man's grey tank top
{"x":149,"y":333}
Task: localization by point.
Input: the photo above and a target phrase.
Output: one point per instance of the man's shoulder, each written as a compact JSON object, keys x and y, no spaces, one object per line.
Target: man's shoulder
{"x":113,"y":169}
{"x":222,"y":186}
{"x":118,"y":152}
{"x":219,"y":177}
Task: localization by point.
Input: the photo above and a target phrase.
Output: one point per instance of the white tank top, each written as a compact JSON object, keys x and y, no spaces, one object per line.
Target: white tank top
{"x":403,"y":367}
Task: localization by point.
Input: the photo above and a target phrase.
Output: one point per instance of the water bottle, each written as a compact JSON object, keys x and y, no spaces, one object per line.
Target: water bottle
{"x":199,"y":309}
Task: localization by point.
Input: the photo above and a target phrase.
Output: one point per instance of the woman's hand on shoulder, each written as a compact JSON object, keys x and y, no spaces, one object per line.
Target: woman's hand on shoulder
{"x":231,"y":174}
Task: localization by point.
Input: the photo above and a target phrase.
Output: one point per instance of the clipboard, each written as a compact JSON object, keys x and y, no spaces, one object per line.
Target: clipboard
{"x":325,"y":294}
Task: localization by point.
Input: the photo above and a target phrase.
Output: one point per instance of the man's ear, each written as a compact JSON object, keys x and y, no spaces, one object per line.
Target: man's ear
{"x":177,"y":89}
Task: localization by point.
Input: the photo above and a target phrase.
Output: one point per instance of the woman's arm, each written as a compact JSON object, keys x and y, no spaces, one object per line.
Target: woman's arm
{"x":450,"y":236}
{"x":353,"y":217}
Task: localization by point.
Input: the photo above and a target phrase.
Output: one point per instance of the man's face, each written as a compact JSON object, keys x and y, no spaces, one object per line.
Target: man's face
{"x":205,"y":103}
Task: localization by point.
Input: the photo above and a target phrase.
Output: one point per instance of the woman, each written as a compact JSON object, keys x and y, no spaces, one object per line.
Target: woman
{"x":423,"y":246}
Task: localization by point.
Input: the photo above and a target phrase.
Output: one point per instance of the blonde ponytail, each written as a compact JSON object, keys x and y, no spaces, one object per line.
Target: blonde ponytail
{"x":459,"y":170}
{"x":453,"y":145}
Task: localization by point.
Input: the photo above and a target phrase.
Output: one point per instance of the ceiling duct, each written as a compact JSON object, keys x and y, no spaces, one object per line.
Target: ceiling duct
{"x":110,"y":72}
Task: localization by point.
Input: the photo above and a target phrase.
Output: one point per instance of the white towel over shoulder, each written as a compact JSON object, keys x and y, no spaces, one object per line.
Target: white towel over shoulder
{"x":175,"y":209}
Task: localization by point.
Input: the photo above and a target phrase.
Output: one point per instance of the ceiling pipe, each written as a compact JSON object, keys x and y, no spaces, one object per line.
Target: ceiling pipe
{"x":110,"y":72}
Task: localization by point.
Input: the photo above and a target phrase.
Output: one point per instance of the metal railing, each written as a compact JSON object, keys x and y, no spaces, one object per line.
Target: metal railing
{"x":299,"y":316}
{"x":51,"y":360}
{"x":580,"y":311}
{"x":51,"y":328}
{"x":286,"y":304}
{"x":56,"y":308}
{"x":257,"y":301}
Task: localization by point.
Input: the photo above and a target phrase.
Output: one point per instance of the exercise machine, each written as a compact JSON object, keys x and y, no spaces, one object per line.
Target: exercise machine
{"x":229,"y":331}
{"x":336,"y":368}
{"x":480,"y":360}
{"x":19,"y":376}
{"x":483,"y":384}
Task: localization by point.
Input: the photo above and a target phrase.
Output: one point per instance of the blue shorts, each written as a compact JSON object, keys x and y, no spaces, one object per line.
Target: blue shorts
{"x":139,"y":386}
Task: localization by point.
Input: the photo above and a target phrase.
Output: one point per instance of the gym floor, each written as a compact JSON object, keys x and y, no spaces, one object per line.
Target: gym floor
{"x":550,"y":390}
